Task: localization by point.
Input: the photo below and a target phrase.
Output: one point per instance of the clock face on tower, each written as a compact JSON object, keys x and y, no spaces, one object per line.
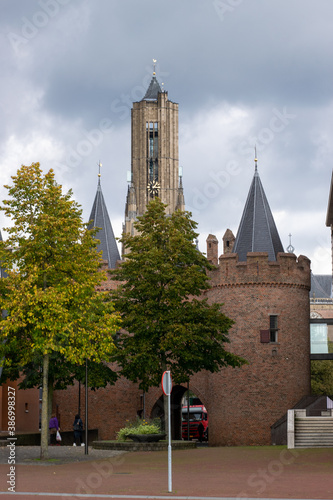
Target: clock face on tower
{"x":153,"y":188}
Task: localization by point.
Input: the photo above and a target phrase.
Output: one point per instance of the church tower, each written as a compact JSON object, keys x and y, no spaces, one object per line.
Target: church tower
{"x":154,"y":156}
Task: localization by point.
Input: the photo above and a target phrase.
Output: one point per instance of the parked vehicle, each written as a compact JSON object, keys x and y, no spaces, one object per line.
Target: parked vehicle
{"x":197,"y":415}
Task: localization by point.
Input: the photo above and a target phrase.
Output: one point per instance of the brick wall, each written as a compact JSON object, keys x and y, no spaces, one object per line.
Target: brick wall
{"x":244,"y":402}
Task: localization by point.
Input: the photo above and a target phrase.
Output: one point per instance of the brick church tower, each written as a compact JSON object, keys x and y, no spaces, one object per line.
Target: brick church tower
{"x":154,"y":156}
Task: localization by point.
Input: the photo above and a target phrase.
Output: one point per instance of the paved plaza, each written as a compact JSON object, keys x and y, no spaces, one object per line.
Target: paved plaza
{"x":235,"y":472}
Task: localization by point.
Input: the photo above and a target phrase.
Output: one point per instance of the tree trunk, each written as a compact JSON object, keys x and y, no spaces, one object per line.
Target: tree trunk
{"x":44,"y":440}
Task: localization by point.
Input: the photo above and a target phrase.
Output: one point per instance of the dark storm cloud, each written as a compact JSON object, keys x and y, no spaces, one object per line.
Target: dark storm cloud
{"x":244,"y":74}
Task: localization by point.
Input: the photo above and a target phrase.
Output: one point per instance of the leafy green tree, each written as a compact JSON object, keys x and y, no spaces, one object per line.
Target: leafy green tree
{"x":322,"y":377}
{"x":50,"y":292}
{"x":61,"y":373}
{"x":167,"y":326}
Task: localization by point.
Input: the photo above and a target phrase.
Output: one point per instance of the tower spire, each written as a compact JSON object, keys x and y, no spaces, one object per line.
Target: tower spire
{"x":99,"y":217}
{"x":257,"y":230}
{"x":99,"y":172}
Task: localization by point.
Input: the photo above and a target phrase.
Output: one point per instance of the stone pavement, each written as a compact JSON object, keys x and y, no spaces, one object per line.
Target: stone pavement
{"x":240,"y":472}
{"x":58,"y":455}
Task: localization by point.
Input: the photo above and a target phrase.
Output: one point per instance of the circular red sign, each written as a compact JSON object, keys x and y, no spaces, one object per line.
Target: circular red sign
{"x":166,"y":383}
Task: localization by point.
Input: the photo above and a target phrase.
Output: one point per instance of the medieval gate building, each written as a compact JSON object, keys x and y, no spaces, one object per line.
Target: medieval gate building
{"x":262,"y":288}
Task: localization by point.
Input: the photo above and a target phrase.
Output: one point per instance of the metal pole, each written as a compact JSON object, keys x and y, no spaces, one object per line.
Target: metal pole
{"x":86,"y":433}
{"x":144,"y":405}
{"x":169,"y":446}
{"x":188,"y":410}
{"x":79,"y":409}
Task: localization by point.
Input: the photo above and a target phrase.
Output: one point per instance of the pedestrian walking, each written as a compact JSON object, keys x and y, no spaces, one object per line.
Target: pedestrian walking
{"x":200,"y":431}
{"x":53,"y":428}
{"x":78,"y":429}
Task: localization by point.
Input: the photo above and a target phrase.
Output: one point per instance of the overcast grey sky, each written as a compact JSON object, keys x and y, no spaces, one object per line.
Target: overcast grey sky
{"x":244,"y":72}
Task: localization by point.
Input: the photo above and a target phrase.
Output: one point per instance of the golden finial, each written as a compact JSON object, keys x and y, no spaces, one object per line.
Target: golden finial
{"x":154,"y":65}
{"x":99,"y":168}
{"x":255,"y":157}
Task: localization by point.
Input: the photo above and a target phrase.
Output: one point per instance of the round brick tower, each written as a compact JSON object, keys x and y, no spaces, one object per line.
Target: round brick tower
{"x":269,"y":302}
{"x":266,"y":292}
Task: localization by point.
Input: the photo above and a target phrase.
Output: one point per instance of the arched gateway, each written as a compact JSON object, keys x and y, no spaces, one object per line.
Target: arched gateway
{"x":179,"y":415}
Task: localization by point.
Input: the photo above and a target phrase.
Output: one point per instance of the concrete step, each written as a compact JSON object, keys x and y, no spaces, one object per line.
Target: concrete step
{"x":314,"y":424}
{"x":309,"y":437}
{"x":314,"y":432}
{"x":318,"y":430}
{"x":314,"y":419}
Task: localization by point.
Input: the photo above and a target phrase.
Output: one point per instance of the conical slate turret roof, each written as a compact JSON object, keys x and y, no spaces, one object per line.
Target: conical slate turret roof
{"x":321,"y":286}
{"x":100,"y":218}
{"x":153,"y":90}
{"x":257,"y":231}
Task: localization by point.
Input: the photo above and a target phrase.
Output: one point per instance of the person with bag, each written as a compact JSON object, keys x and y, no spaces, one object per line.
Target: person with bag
{"x":78,"y":428}
{"x":53,"y":429}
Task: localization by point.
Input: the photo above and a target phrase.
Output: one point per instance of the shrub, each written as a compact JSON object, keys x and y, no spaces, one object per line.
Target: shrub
{"x":139,"y":427}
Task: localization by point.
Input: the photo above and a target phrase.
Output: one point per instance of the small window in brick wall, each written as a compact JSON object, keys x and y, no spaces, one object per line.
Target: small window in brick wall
{"x":273,"y":328}
{"x":270,"y":336}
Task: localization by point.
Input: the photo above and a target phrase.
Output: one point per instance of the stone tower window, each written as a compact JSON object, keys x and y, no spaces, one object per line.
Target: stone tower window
{"x":271,"y":335}
{"x":273,"y":328}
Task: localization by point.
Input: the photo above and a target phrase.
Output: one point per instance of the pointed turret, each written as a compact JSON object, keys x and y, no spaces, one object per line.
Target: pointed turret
{"x":130,"y":207}
{"x":212,"y":249}
{"x":154,"y":87}
{"x":228,"y":241}
{"x":99,"y":217}
{"x":153,"y":90}
{"x":257,"y":230}
{"x":181,"y":198}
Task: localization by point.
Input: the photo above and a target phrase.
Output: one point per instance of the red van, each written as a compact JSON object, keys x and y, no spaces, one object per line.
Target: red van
{"x":197,"y":415}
